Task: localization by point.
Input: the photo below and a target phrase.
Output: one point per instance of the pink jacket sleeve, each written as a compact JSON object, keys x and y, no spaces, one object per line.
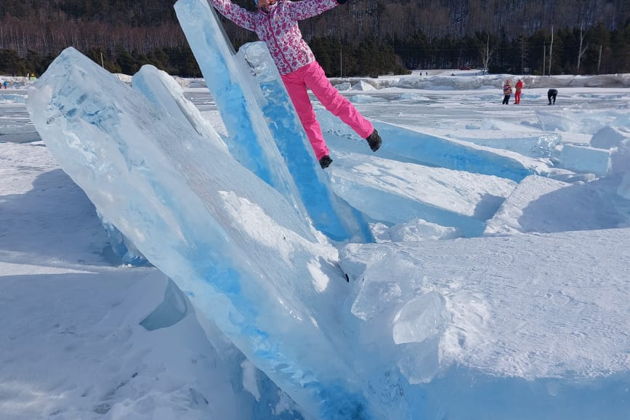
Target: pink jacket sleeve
{"x":305,"y":9}
{"x":235,"y":13}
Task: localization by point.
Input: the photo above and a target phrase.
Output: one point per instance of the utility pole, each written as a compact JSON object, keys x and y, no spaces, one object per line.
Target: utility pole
{"x":102,"y":62}
{"x":544,"y":57}
{"x":599,"y":60}
{"x":551,"y":50}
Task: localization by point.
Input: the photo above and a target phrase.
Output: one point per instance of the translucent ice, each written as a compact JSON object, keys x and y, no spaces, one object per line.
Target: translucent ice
{"x":173,"y":309}
{"x":123,"y":249}
{"x":585,"y":159}
{"x":624,"y":187}
{"x":167,"y":95}
{"x":419,"y":230}
{"x":249,"y":138}
{"x":247,"y":259}
{"x":406,"y":145}
{"x":330,"y":214}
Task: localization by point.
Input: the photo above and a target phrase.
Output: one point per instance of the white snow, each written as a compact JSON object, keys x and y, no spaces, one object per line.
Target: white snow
{"x":397,"y":192}
{"x":492,"y":286}
{"x":509,"y":218}
{"x":72,"y":344}
{"x":528,"y":318}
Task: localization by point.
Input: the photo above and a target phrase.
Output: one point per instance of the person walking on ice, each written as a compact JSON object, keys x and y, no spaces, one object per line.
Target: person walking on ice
{"x":552,"y":94}
{"x":276,"y":23}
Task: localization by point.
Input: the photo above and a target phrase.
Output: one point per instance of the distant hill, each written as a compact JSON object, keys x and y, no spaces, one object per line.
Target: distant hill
{"x":413,"y":33}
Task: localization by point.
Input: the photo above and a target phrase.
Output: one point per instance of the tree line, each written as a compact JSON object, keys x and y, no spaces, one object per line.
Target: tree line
{"x":363,"y":37}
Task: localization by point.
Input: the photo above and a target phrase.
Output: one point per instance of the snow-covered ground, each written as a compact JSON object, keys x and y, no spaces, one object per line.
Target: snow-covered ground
{"x":484,"y":286}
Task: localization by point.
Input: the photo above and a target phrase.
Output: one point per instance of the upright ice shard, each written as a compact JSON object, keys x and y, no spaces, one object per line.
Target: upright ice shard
{"x":331,"y":214}
{"x":250,"y":140}
{"x":167,"y":95}
{"x":232,"y":243}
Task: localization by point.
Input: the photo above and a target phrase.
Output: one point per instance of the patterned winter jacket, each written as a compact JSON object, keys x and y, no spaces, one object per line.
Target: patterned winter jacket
{"x":278,"y":28}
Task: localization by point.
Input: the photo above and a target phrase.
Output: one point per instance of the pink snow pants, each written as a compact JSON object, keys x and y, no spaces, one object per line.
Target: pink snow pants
{"x":311,"y":76}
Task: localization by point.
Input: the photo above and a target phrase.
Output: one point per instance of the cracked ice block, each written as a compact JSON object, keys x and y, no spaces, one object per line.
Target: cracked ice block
{"x":585,"y":159}
{"x":331,"y":214}
{"x":167,"y":95}
{"x":243,"y":254}
{"x":411,"y":145}
{"x":249,"y":138}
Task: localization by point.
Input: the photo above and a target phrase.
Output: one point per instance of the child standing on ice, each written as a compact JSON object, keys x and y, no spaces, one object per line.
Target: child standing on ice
{"x":276,"y":23}
{"x":507,"y":92}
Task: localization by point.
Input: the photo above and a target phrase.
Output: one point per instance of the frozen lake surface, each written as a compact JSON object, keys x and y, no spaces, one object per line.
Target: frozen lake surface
{"x":499,"y":271}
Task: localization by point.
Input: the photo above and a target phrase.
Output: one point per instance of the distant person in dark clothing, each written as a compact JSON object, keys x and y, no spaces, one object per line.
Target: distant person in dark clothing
{"x":507,"y":92}
{"x":551,"y":95}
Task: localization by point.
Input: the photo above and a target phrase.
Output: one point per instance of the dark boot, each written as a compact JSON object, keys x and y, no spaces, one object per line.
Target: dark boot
{"x":374,"y":140}
{"x":325,"y":161}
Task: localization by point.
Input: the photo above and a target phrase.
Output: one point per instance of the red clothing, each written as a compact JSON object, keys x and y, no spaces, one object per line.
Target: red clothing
{"x":517,"y":95}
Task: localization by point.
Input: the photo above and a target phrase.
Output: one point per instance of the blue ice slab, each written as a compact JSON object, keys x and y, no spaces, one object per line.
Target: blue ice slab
{"x":427,"y":149}
{"x":331,"y":214}
{"x":123,"y":249}
{"x":167,"y":95}
{"x":250,"y":140}
{"x":173,"y":309}
{"x":403,"y":144}
{"x":245,"y":257}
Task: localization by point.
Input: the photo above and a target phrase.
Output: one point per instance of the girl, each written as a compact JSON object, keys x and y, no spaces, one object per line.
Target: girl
{"x":276,"y":23}
{"x":507,"y":92}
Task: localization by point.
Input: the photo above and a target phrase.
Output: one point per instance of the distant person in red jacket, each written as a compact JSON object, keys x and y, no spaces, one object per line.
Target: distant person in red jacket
{"x":517,"y":94}
{"x":507,"y":92}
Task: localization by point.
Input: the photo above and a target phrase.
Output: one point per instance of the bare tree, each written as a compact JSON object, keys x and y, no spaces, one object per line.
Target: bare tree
{"x":582,"y":49}
{"x":487,"y":54}
{"x":551,"y":50}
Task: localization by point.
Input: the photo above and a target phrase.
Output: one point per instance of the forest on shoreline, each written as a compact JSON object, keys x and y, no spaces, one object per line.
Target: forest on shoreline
{"x":585,"y":36}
